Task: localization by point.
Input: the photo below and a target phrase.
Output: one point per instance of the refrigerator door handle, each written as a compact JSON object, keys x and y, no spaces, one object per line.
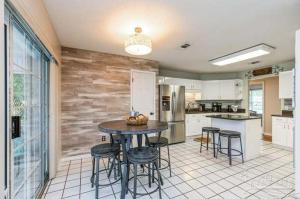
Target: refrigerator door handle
{"x":173,"y":105}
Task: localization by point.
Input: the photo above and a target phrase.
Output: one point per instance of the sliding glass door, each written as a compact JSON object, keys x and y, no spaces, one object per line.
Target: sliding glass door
{"x":27,"y":72}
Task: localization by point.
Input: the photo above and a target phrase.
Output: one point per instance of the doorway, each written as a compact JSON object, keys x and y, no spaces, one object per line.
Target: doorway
{"x":143,"y":93}
{"x":27,"y":73}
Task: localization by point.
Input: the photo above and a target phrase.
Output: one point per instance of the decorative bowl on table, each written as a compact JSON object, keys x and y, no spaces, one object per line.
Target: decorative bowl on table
{"x":137,"y":120}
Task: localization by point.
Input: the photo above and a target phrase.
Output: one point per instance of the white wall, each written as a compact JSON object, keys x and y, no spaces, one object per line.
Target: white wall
{"x":54,"y":119}
{"x":297,"y":116}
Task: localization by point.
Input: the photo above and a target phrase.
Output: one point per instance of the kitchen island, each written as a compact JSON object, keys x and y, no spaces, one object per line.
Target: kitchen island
{"x":249,"y":127}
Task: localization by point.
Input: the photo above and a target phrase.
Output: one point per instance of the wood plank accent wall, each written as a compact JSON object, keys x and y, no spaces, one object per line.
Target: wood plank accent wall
{"x":95,"y":88}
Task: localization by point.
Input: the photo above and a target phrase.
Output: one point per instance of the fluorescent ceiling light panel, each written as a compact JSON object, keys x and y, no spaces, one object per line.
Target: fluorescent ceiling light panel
{"x":242,"y":55}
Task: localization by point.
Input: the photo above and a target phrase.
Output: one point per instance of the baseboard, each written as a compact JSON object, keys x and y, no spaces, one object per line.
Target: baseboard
{"x":267,"y":137}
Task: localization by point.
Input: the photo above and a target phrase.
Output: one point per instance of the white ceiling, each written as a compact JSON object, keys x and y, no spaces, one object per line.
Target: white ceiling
{"x":213,"y":28}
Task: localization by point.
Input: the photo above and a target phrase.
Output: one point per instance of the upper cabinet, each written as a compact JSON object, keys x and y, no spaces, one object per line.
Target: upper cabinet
{"x":222,"y":90}
{"x":210,"y":90}
{"x":286,"y":84}
{"x":189,"y":84}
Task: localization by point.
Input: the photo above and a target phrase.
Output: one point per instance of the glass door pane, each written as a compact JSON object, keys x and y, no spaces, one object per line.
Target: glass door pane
{"x":27,"y":99}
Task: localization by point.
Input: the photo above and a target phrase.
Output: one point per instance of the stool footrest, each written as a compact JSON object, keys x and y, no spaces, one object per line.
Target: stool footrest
{"x":239,"y":152}
{"x":147,"y":193}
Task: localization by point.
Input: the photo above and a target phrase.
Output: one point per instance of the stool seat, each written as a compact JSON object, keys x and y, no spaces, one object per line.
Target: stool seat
{"x":105,"y":149}
{"x":153,"y":141}
{"x":213,"y":129}
{"x":230,"y":133}
{"x":142,"y":155}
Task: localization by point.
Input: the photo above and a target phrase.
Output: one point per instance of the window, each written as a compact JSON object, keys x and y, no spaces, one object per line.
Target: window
{"x":256,"y":100}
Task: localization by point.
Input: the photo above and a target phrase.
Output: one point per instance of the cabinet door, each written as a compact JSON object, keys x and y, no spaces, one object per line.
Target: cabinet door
{"x":286,"y":84}
{"x":192,"y":125}
{"x":290,"y":132}
{"x":278,"y":131}
{"x":189,"y":84}
{"x":197,"y":84}
{"x":173,"y":81}
{"x":238,"y":89}
{"x":227,"y":89}
{"x":211,"y":90}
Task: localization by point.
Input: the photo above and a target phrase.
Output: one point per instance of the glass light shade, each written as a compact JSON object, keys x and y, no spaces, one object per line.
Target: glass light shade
{"x":138,"y":44}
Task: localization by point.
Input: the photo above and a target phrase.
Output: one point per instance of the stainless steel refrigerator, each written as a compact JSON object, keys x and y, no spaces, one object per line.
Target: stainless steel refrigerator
{"x":172,"y":110}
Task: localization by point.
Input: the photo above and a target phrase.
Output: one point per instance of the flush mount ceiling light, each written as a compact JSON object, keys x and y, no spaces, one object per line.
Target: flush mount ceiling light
{"x":255,"y":51}
{"x":138,"y":44}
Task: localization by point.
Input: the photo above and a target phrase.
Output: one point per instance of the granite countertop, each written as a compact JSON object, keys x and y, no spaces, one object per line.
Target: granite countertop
{"x":234,"y":117}
{"x":208,"y":110}
{"x":205,"y":112}
{"x":281,"y":115}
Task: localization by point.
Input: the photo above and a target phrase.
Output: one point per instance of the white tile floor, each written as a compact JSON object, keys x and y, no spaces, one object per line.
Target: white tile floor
{"x":194,"y":176}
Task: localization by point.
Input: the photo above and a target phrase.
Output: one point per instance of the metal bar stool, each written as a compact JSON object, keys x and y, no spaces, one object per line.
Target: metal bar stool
{"x":230,"y":135}
{"x":144,"y":155}
{"x":209,"y":130}
{"x":158,"y":142}
{"x":99,"y":151}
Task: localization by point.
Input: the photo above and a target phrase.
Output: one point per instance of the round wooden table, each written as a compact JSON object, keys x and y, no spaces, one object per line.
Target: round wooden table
{"x":121,"y":128}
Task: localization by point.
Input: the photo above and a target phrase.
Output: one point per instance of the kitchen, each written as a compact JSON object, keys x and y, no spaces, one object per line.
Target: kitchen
{"x":102,"y":99}
{"x":226,"y":98}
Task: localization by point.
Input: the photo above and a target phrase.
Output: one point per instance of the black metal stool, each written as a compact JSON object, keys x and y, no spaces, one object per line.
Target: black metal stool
{"x":142,"y":156}
{"x":99,"y":151}
{"x":209,"y":130}
{"x":230,"y":135}
{"x":158,"y":142}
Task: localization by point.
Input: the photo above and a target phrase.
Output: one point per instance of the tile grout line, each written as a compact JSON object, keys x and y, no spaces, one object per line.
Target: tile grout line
{"x":256,"y":177}
{"x":214,"y":167}
{"x":66,"y":180}
{"x":80,"y":178}
{"x":288,"y":194}
{"x":228,"y":176}
{"x":269,"y":185}
{"x":217,"y":175}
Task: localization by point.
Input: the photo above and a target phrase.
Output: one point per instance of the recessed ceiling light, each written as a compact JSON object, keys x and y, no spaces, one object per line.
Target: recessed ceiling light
{"x":255,"y":51}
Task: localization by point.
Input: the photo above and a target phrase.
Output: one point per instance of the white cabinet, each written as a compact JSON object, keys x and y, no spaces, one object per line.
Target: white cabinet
{"x":189,"y":84}
{"x":227,"y":90}
{"x":211,"y":90}
{"x":195,"y":122}
{"x":286,"y":84}
{"x":283,"y":131}
{"x":197,"y":84}
{"x":222,"y":90}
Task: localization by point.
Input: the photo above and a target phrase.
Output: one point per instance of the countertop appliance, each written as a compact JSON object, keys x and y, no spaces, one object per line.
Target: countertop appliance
{"x":216,"y":107}
{"x":202,"y":107}
{"x":172,"y":110}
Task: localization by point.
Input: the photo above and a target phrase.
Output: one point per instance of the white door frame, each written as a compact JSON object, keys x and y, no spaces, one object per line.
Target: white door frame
{"x":154,"y":86}
{"x":297,"y":116}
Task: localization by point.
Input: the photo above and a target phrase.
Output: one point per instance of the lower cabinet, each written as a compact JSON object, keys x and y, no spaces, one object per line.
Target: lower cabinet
{"x":195,"y":122}
{"x":283,"y":131}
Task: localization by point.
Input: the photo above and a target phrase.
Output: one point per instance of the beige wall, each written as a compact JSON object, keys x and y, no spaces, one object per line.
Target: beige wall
{"x":272,"y":103}
{"x":95,"y":88}
{"x":36,"y":15}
